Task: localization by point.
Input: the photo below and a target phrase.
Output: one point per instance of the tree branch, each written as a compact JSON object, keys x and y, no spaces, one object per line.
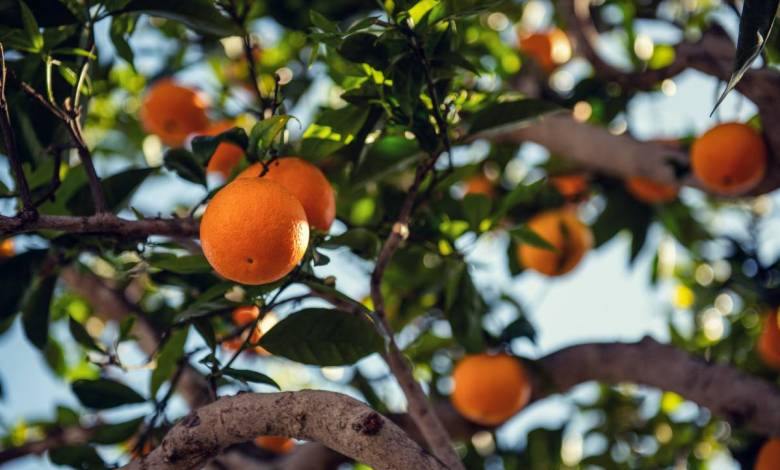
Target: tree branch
{"x":337,"y":421}
{"x":744,"y":400}
{"x":69,"y":436}
{"x":103,"y":223}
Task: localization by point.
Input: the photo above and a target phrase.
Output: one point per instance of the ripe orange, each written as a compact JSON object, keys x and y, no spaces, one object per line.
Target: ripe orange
{"x":254,"y":231}
{"x":7,"y":248}
{"x":768,"y":346}
{"x":563,"y":230}
{"x":244,"y":315}
{"x":489,"y":389}
{"x":227,"y":155}
{"x":649,"y":191}
{"x":573,"y":186}
{"x":275,"y":444}
{"x":549,"y":48}
{"x":173,"y":112}
{"x":479,"y":184}
{"x":729,"y":159}
{"x":769,"y":455}
{"x":306,"y":182}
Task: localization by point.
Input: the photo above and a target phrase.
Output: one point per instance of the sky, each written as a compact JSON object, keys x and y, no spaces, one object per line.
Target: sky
{"x":604,"y":299}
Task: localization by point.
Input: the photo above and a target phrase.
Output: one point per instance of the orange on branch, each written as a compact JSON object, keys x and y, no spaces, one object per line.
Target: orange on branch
{"x":769,"y":455}
{"x":489,"y":389}
{"x":7,"y":248}
{"x":254,"y":231}
{"x":227,"y":155}
{"x":649,"y":191}
{"x":243,"y":316}
{"x":275,"y":444}
{"x":563,"y":230}
{"x":479,"y":184}
{"x":729,"y":159}
{"x":768,"y":346}
{"x":306,"y":182}
{"x":573,"y":186}
{"x":173,"y":112}
{"x":549,"y":48}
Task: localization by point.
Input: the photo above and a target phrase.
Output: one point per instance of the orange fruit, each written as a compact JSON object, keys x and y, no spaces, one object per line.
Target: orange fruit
{"x":769,"y":455}
{"x":489,"y":389}
{"x":479,"y":184}
{"x":573,"y":187}
{"x":549,"y":48}
{"x":243,"y":316}
{"x":306,"y":182}
{"x":173,"y":112}
{"x":275,"y":444}
{"x":7,"y":248}
{"x":254,"y":231}
{"x":649,"y":191}
{"x":227,"y":155}
{"x":768,"y":346}
{"x":729,"y":159}
{"x":563,"y":230}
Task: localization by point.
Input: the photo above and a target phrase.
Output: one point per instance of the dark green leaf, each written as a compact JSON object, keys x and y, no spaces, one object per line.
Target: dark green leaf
{"x":200,"y":15}
{"x":755,"y":26}
{"x":168,"y":359}
{"x":519,"y":328}
{"x":190,"y":264}
{"x":245,"y":375}
{"x":508,"y":113}
{"x":36,"y":309}
{"x":476,"y":208}
{"x":264,"y":133}
{"x":323,"y":23}
{"x":125,"y":328}
{"x":323,"y":337}
{"x":364,"y":48}
{"x":121,"y":28}
{"x":524,"y":234}
{"x":15,"y":278}
{"x":80,"y":457}
{"x":104,"y":393}
{"x":117,"y":188}
{"x":31,"y":27}
{"x":204,"y":146}
{"x":464,"y":307}
{"x":46,"y":12}
{"x":81,"y":336}
{"x":107,"y":434}
{"x":184,"y":163}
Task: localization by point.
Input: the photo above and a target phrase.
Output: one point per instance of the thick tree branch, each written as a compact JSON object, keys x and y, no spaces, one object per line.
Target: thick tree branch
{"x":104,"y":223}
{"x":337,"y":421}
{"x":744,"y":400}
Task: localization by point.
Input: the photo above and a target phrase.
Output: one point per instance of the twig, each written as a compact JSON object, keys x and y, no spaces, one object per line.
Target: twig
{"x":107,"y":224}
{"x":28,"y":208}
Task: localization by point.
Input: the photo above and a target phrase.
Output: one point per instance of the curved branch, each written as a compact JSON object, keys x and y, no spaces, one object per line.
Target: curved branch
{"x":101,"y":223}
{"x":336,"y":420}
{"x":742,"y":399}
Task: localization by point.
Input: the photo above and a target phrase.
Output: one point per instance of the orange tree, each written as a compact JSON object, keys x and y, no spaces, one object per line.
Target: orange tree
{"x":328,"y":137}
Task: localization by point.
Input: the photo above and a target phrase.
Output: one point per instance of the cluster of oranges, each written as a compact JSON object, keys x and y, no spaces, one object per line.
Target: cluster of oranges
{"x":256,"y":229}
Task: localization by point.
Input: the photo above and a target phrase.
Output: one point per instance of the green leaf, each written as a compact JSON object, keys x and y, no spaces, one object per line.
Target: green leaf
{"x":184,"y":164}
{"x":46,"y":12}
{"x":81,"y":336}
{"x":323,"y":23}
{"x":476,"y":208}
{"x":464,"y":307}
{"x":508,"y":113}
{"x":126,"y":328}
{"x":122,"y":27}
{"x":755,"y":26}
{"x":31,"y":27}
{"x":333,"y":130}
{"x":81,"y":457}
{"x":323,"y":337}
{"x":167,"y":360}
{"x":15,"y":278}
{"x":204,"y":146}
{"x":118,"y":188}
{"x":190,"y":264}
{"x":200,"y":15}
{"x":104,"y":393}
{"x":519,"y":328}
{"x":245,"y":375}
{"x":107,"y":434}
{"x":364,"y":48}
{"x":264,"y":133}
{"x":524,"y":234}
{"x":36,"y":309}
{"x":422,"y":7}
{"x":363,"y":242}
